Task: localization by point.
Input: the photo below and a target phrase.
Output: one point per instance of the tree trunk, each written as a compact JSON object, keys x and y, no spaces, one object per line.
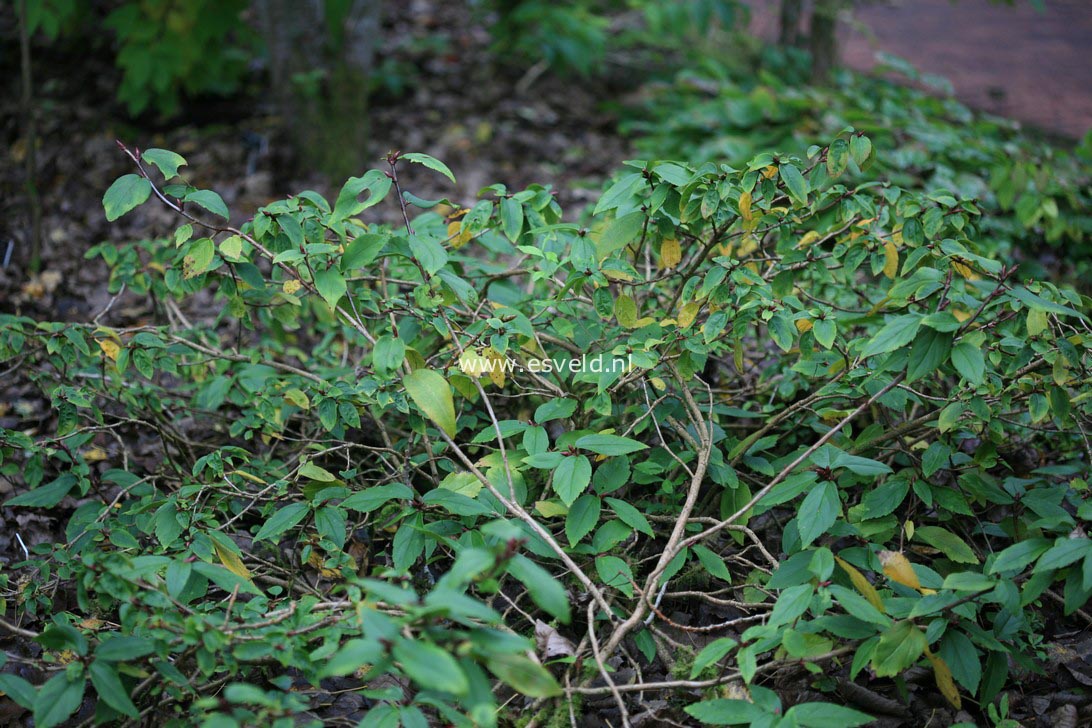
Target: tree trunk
{"x":321,"y":55}
{"x":824,"y":39}
{"x":789,"y":34}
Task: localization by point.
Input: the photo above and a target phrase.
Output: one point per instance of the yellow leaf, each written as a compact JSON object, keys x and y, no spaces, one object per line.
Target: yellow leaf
{"x":945,"y":683}
{"x":1037,"y":322}
{"x":687,"y":314}
{"x":291,"y":286}
{"x":472,"y":363}
{"x":890,"y":260}
{"x":248,"y":476}
{"x":747,"y":245}
{"x":898,"y":569}
{"x":299,"y":398}
{"x":459,"y":235}
{"x":960,"y":314}
{"x":963,"y":269}
{"x":551,"y":508}
{"x":803,"y":325}
{"x":908,"y":528}
{"x":94,"y":455}
{"x":861,"y":584}
{"x":496,"y":369}
{"x":658,"y":383}
{"x":232,"y":562}
{"x":770,"y":171}
{"x":625,"y":310}
{"x":809,"y":237}
{"x":670,"y":253}
{"x":745,"y":206}
{"x":617,"y":275}
{"x":110,"y":349}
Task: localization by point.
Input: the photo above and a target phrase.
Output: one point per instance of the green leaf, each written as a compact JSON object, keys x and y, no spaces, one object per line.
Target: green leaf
{"x":428,"y":252}
{"x":583,"y":515}
{"x":376,"y":496}
{"x":18,"y":689}
{"x":127,"y":192}
{"x":860,"y":147}
{"x":609,"y":444}
{"x":818,"y":512}
{"x":330,"y":284}
{"x":781,"y":330}
{"x":930,"y":350}
{"x":1062,"y":554}
{"x":525,"y":675}
{"x":376,"y":182}
{"x":615,"y":572}
{"x":511,"y":213}
{"x":209,"y":200}
{"x":108,"y":685}
{"x":313,"y":472}
{"x":950,"y":544}
{"x":723,"y":711}
{"x":825,"y":330}
{"x":899,"y":648}
{"x":1017,"y":557}
{"x":837,"y":157}
{"x":711,"y":653}
{"x":119,"y":648}
{"x":389,"y":353}
{"x":431,"y":392}
{"x":362,"y":251}
{"x":59,"y":698}
{"x":630,"y":516}
{"x":859,"y":607}
{"x":825,"y":715}
{"x":960,"y":654}
{"x":431,"y":667}
{"x":936,"y":457}
{"x":713,"y":563}
{"x":859,"y":465}
{"x":571,"y":478}
{"x":897,"y":332}
{"x":167,"y":161}
{"x":791,"y":603}
{"x":797,"y":186}
{"x":620,"y":233}
{"x":913,"y":234}
{"x":969,"y":362}
{"x":968,"y":581}
{"x":555,"y":409}
{"x":282,"y":520}
{"x":1038,"y":303}
{"x":198,"y":258}
{"x":47,"y":495}
{"x":431,"y":162}
{"x":546,"y":591}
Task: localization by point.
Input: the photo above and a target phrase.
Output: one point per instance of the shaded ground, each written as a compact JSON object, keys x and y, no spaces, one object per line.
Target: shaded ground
{"x":1014,"y":61}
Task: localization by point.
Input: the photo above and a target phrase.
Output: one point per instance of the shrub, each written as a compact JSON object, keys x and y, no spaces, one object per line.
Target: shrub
{"x":1035,"y":195}
{"x":833,"y":407}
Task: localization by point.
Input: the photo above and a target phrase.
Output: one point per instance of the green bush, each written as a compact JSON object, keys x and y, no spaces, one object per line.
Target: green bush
{"x":1036,"y":196}
{"x":830,"y":404}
